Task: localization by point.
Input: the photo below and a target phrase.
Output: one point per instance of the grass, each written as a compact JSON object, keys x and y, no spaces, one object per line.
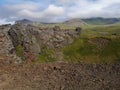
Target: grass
{"x":19,"y":51}
{"x":82,"y":50}
{"x":46,"y":56}
{"x":101,"y":31}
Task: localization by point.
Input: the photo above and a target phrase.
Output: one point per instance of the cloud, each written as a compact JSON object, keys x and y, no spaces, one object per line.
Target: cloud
{"x":64,"y":2}
{"x":58,"y":10}
{"x":53,"y":10}
{"x":32,"y":12}
{"x":97,"y":8}
{"x":47,"y":15}
{"x":3,"y":21}
{"x":22,"y":6}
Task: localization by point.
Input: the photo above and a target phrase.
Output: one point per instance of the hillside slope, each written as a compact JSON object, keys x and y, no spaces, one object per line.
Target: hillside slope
{"x":101,"y":21}
{"x":75,"y":22}
{"x":96,"y":44}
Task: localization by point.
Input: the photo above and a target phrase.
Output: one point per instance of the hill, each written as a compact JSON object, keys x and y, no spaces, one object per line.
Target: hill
{"x":24,"y":21}
{"x":96,"y":44}
{"x":75,"y":22}
{"x":69,"y":24}
{"x":101,"y":21}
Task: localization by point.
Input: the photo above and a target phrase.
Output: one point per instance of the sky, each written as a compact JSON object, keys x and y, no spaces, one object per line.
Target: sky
{"x":57,"y":10}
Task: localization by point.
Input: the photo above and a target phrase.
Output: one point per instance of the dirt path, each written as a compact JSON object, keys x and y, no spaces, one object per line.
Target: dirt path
{"x":60,"y":76}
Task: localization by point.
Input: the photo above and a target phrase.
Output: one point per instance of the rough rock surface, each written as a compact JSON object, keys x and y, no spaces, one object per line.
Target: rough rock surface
{"x":6,"y":45}
{"x":27,"y":41}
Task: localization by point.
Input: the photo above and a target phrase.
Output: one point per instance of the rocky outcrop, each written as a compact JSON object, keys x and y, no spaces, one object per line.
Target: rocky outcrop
{"x":24,"y":41}
{"x":27,"y":41}
{"x":6,"y":46}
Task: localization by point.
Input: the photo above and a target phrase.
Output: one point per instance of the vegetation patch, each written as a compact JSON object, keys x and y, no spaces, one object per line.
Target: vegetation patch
{"x":96,"y":44}
{"x":20,"y":51}
{"x":46,"y":56}
{"x":83,"y":50}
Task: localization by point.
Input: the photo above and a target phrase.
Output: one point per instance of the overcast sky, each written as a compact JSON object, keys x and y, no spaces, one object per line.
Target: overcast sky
{"x":57,"y":10}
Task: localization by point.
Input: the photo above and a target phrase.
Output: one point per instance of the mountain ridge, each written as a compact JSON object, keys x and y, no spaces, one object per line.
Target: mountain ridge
{"x":101,"y":21}
{"x":78,"y":21}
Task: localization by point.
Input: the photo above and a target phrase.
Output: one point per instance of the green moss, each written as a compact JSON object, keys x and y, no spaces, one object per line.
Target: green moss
{"x":19,"y":51}
{"x":46,"y":56}
{"x":113,"y":49}
{"x":82,"y":50}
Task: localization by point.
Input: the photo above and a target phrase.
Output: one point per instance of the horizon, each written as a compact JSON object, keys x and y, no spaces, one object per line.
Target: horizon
{"x":52,"y":11}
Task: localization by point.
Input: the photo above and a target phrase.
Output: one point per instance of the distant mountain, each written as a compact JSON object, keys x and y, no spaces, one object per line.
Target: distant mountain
{"x":79,"y":22}
{"x":75,"y":22}
{"x":24,"y":21}
{"x":101,"y":21}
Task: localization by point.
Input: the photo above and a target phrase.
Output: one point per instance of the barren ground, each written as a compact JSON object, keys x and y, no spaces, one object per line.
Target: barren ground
{"x":60,"y":76}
